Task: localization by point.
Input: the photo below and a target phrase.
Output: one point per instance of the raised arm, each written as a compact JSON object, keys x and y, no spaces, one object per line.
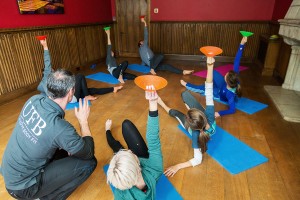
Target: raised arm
{"x":42,"y":87}
{"x":82,"y":114}
{"x":152,"y":135}
{"x":146,"y":34}
{"x":238,"y":55}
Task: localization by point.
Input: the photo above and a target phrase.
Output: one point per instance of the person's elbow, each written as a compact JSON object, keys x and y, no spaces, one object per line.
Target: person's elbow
{"x":232,"y":110}
{"x":197,"y":160}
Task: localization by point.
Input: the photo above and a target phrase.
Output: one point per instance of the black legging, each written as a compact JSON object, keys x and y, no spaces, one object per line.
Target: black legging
{"x":155,"y":64}
{"x":81,"y":89}
{"x":133,"y":139}
{"x":121,"y":70}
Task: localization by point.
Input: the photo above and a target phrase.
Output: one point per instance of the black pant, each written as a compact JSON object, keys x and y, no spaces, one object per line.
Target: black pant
{"x":58,"y":179}
{"x":155,"y":63}
{"x":81,"y":89}
{"x":121,"y":70}
{"x":133,"y":139}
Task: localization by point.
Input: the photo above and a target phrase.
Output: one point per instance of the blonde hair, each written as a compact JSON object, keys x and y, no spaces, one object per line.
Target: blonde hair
{"x":124,"y":170}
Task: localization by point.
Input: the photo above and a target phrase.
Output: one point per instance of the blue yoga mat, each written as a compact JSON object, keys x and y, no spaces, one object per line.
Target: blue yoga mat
{"x":247,"y":105}
{"x":139,"y":68}
{"x":244,"y":104}
{"x":71,"y":106}
{"x":103,"y":77}
{"x":164,"y":188}
{"x":234,"y":155}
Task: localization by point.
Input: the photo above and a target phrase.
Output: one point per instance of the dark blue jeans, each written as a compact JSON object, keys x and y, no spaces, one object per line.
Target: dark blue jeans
{"x":58,"y":179}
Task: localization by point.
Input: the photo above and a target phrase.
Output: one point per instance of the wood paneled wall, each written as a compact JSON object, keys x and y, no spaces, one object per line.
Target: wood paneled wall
{"x":185,"y":38}
{"x":21,"y":55}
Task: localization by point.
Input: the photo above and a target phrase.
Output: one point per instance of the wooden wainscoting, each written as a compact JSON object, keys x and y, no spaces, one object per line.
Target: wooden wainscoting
{"x":21,"y":55}
{"x":185,"y":38}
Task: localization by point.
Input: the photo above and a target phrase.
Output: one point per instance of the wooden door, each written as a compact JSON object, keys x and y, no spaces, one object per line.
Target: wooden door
{"x":129,"y":27}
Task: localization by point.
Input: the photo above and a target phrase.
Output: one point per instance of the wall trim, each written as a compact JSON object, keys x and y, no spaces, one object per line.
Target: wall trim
{"x":202,"y":58}
{"x":36,"y":28}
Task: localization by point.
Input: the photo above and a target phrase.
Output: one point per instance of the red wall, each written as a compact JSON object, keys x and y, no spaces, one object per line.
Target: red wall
{"x":212,"y":10}
{"x":280,"y":9}
{"x":76,"y":12}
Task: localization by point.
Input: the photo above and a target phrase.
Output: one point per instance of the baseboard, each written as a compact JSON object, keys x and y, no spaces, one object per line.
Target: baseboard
{"x":203,"y":58}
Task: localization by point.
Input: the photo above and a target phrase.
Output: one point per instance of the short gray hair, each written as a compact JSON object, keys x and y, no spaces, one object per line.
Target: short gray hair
{"x":59,"y":83}
{"x":124,"y":170}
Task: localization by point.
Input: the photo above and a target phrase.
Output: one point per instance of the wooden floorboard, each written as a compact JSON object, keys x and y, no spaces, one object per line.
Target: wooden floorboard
{"x":264,"y":131}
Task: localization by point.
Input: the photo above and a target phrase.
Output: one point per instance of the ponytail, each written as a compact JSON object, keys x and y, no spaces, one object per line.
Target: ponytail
{"x":203,"y":140}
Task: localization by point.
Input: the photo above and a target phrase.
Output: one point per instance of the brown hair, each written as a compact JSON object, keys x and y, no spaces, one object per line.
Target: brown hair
{"x":232,"y":80}
{"x":196,"y":120}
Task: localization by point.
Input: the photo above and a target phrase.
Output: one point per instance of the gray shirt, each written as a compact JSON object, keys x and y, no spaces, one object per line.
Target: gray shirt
{"x":146,"y":53}
{"x":110,"y":61}
{"x":40,"y":130}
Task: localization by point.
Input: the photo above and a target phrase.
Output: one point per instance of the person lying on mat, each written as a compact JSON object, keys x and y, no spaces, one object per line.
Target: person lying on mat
{"x":135,"y":171}
{"x":199,"y":122}
{"x":154,"y":60}
{"x":46,"y":158}
{"x":81,"y":88}
{"x":227,"y":88}
{"x":118,"y":71}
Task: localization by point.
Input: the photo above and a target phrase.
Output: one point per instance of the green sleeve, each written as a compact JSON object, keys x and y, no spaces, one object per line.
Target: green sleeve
{"x":155,"y":161}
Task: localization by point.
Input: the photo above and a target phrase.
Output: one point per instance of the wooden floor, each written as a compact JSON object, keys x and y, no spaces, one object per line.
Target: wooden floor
{"x":264,"y":131}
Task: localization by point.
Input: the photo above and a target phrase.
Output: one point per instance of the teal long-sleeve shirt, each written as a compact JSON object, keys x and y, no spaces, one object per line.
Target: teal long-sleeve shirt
{"x":152,"y":167}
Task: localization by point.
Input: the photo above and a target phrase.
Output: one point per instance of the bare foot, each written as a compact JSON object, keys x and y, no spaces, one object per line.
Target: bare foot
{"x":90,"y":98}
{"x":183,"y":83}
{"x":152,"y":72}
{"x":117,"y":88}
{"x":186,"y":72}
{"x":121,"y":80}
{"x":187,"y":106}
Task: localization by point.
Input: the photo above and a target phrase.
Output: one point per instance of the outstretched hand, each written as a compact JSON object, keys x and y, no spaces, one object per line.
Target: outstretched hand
{"x":107,"y":31}
{"x":244,"y":40}
{"x":151,"y":95}
{"x":210,"y":61}
{"x":82,"y":113}
{"x":171,"y":171}
{"x":44,"y":44}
